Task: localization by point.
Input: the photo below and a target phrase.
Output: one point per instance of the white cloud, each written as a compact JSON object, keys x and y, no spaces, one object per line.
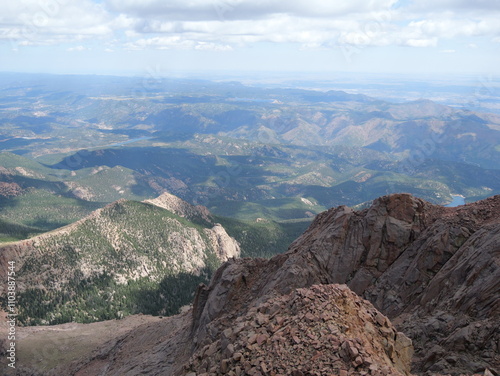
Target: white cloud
{"x":311,"y":24}
{"x":56,"y":21}
{"x":448,"y":51}
{"x":420,"y":42}
{"x":282,"y":28}
{"x":456,"y":5}
{"x":452,"y":28}
{"x":244,"y":9}
{"x":175,"y":42}
{"x":221,"y":25}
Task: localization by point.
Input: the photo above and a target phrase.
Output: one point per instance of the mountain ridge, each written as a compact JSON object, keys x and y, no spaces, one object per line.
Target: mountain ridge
{"x":126,"y":246}
{"x":182,"y":208}
{"x":398,"y":254}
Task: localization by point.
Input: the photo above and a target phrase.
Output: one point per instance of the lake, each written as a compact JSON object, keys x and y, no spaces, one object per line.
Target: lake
{"x":457,"y":201}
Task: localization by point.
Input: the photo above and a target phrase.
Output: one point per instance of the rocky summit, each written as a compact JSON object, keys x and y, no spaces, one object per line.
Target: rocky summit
{"x":401,"y":287}
{"x":321,"y":330}
{"x":434,"y":271}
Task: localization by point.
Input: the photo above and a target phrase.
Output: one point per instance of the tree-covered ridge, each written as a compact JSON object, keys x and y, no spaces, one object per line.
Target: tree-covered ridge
{"x":128,"y":257}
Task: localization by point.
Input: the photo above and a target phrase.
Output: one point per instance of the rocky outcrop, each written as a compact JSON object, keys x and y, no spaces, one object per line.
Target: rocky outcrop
{"x":224,"y":246}
{"x":10,"y":189}
{"x":321,"y":330}
{"x":434,"y":271}
{"x":182,"y":208}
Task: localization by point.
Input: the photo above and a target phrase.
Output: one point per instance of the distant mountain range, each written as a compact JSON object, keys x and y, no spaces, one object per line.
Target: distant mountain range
{"x":250,"y":153}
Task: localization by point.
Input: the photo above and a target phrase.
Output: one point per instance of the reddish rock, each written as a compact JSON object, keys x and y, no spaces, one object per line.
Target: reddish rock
{"x":261,"y":338}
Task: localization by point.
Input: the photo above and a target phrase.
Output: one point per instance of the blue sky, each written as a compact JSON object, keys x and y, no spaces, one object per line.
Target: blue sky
{"x":140,"y":36}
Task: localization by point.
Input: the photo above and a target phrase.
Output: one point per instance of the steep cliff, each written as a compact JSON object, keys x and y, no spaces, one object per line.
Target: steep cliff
{"x":434,"y":271}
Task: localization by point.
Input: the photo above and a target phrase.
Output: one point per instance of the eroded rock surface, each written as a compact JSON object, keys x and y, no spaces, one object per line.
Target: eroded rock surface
{"x":181,"y":208}
{"x":434,"y":271}
{"x":321,"y":330}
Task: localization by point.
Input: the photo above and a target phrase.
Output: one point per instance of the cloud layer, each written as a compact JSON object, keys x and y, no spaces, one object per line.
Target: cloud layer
{"x":223,"y":25}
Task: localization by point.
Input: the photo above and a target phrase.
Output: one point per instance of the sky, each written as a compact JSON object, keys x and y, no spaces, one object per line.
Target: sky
{"x":159,"y":37}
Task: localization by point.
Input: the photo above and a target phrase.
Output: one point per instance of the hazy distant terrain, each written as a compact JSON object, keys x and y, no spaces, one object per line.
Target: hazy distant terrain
{"x":72,"y":144}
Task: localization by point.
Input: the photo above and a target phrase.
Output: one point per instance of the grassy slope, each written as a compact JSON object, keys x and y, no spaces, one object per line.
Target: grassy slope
{"x":263,"y":239}
{"x":273,"y":209}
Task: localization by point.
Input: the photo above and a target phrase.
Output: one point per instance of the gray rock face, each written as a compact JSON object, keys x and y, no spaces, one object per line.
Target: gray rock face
{"x":225,"y":247}
{"x":181,"y":208}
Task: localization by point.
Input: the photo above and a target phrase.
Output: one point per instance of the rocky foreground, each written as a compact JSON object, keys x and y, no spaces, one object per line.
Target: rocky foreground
{"x":321,"y":330}
{"x":433,"y":271}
